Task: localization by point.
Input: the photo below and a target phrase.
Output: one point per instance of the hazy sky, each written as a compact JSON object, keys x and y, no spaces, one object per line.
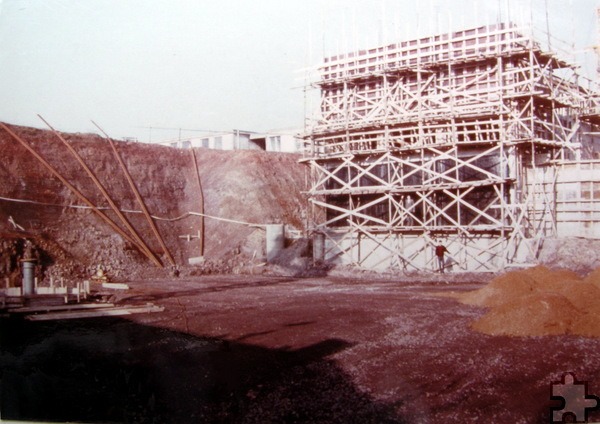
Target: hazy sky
{"x":217,"y":65}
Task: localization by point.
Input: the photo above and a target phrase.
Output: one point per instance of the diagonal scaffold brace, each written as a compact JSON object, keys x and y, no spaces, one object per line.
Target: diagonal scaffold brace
{"x":139,"y":241}
{"x":73,"y":189}
{"x":138,"y":196}
{"x":201,"y":194}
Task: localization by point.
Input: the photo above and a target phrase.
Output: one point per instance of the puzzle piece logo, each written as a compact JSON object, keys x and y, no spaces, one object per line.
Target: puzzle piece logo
{"x":576,"y":401}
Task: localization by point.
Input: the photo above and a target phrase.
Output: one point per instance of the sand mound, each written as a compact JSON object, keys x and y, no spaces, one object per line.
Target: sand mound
{"x":539,"y":301}
{"x":593,"y":278}
{"x":516,"y":284}
{"x":538,"y":314}
{"x":502,"y":289}
{"x":584,"y":296}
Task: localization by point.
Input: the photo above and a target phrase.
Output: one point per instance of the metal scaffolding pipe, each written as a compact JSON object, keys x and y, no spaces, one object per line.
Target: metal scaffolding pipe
{"x":112,"y":204}
{"x":74,"y":190}
{"x":201,"y":235}
{"x":138,"y":197}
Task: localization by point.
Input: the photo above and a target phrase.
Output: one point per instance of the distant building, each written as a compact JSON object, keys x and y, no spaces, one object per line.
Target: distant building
{"x":274,"y":141}
{"x":279,"y":141}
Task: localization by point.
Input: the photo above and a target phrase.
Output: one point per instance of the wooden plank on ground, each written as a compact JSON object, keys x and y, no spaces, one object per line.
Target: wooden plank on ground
{"x":66,"y":307}
{"x":105,"y":312}
{"x":116,"y":286}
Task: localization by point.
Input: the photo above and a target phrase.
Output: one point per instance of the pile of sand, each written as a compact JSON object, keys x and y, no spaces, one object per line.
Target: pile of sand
{"x":539,"y":301}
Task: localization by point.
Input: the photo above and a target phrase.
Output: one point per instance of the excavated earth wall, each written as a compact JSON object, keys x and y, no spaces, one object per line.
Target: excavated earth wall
{"x":253,"y":187}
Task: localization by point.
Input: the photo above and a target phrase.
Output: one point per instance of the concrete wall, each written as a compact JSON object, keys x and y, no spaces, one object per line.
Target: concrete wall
{"x":578,"y":200}
{"x":574,"y":198}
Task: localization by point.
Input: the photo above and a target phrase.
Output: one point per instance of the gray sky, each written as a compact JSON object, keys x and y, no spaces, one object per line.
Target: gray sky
{"x":217,"y":65}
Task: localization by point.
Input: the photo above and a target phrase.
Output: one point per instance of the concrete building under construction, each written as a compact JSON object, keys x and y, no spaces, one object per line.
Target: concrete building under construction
{"x":478,"y":139}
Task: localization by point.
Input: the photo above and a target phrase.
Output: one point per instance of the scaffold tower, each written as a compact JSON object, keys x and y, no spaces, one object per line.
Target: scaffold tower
{"x":441,"y":140}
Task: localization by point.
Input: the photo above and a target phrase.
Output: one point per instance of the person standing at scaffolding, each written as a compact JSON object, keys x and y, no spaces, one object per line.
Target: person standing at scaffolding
{"x":440,"y":250}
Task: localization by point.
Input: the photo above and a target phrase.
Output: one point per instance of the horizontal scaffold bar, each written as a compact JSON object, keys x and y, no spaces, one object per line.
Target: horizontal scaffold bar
{"x":473,"y":229}
{"x":411,"y":189}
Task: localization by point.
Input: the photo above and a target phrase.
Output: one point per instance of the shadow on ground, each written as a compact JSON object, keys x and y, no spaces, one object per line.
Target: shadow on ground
{"x":162,"y":294}
{"x":114,"y":370}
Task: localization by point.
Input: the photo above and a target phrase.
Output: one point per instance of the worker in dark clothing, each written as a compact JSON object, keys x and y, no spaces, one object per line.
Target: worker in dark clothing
{"x":440,"y":250}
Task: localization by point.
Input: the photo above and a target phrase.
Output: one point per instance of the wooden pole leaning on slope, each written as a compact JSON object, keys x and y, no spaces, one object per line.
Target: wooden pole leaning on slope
{"x":74,"y":190}
{"x":138,"y":197}
{"x":201,"y":203}
{"x":144,"y":247}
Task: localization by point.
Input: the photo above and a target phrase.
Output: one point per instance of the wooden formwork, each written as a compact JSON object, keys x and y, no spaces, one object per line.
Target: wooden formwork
{"x":432,"y":140}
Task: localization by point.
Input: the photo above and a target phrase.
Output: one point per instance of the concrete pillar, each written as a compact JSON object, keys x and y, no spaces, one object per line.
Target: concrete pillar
{"x":275,"y":240}
{"x":318,"y":240}
{"x":28,"y":277}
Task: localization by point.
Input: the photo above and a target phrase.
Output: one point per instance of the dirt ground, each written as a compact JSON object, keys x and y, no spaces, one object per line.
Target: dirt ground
{"x":280,"y":349}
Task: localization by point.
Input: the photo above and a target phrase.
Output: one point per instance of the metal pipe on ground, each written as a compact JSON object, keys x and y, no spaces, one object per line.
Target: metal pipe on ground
{"x":112,"y":204}
{"x":73,"y":189}
{"x":138,"y":197}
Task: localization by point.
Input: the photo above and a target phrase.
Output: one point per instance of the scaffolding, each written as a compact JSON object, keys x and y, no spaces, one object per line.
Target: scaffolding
{"x":442,"y":139}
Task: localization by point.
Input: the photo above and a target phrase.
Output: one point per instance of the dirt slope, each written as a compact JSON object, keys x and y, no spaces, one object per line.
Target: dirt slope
{"x":248,"y":186}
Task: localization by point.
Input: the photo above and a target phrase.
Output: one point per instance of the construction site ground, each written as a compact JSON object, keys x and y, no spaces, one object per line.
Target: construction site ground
{"x":255,"y":349}
{"x":243,"y":341}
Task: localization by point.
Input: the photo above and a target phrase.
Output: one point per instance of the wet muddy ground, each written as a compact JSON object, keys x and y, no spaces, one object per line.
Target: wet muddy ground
{"x":277,"y":349}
